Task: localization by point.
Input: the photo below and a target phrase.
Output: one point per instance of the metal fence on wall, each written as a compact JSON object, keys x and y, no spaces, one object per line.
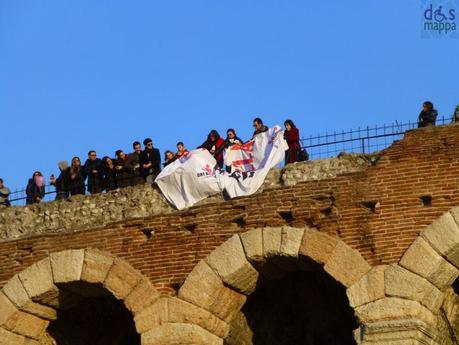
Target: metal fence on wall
{"x":361,"y":140}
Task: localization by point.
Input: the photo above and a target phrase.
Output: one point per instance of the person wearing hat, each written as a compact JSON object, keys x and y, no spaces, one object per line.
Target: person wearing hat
{"x":150,"y":161}
{"x":62,"y":183}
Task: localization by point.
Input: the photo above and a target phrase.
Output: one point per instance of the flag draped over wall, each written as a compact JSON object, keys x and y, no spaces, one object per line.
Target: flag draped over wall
{"x":193,"y":177}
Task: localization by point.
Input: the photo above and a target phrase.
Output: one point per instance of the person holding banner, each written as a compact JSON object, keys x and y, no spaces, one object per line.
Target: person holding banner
{"x":213,"y":144}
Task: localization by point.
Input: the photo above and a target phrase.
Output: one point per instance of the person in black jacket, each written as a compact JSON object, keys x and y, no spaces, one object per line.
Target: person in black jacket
{"x":62,"y":183}
{"x":93,"y":170}
{"x":133,"y":165}
{"x":428,"y":115}
{"x":231,"y":139}
{"x":35,"y":189}
{"x":150,"y":161}
{"x":108,"y":174}
{"x":259,"y":127}
{"x":77,"y":177}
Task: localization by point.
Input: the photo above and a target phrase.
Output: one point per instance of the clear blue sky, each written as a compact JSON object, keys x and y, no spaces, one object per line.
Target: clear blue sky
{"x":94,"y":74}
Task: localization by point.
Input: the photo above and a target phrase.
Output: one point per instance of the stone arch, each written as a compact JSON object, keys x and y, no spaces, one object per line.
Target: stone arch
{"x":33,"y":298}
{"x":222,"y":282}
{"x":412,"y":300}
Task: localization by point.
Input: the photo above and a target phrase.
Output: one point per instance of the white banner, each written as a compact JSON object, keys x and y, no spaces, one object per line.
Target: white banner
{"x":194,"y":177}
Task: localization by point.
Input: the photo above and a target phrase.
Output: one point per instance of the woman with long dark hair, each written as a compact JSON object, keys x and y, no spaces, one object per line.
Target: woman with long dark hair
{"x":108,"y":174}
{"x":213,"y":144}
{"x":77,"y":177}
{"x":292,"y":136}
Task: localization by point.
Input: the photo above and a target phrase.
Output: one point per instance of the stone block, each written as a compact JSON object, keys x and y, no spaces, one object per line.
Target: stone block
{"x":10,"y":338}
{"x":443,"y":236}
{"x":392,"y":308}
{"x":143,"y":295}
{"x":346,"y":265}
{"x":252,"y":242}
{"x":423,"y":260}
{"x":26,"y":324}
{"x":400,"y":282}
{"x":205,"y":289}
{"x":231,"y":265}
{"x":152,"y":316}
{"x":37,"y":280}
{"x":367,"y":289}
{"x":291,"y":241}
{"x":96,"y":265}
{"x":272,"y":239}
{"x":121,"y":279}
{"x":7,"y":309}
{"x":180,"y":334}
{"x":16,"y":293}
{"x":180,"y":311}
{"x":67,"y":265}
{"x":317,"y":246}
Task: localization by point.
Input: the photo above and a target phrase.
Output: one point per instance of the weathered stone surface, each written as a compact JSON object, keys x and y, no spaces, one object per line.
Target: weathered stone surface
{"x":98,"y":210}
{"x":272,"y":239}
{"x":174,"y":310}
{"x":367,"y":289}
{"x":422,"y":259}
{"x":400,"y":282}
{"x":392,"y":308}
{"x":317,"y":246}
{"x":180,"y":334}
{"x":450,"y":309}
{"x":346,"y":265}
{"x":121,"y":279}
{"x":443,"y":236}
{"x":96,"y":265}
{"x":291,"y":241}
{"x":38,"y":282}
{"x":252,"y":242}
{"x":16,"y":293}
{"x":205,"y":289}
{"x":143,"y":295}
{"x":7,"y":308}
{"x":230,"y":263}
{"x":9,"y":338}
{"x":26,"y":324}
{"x":67,"y":265}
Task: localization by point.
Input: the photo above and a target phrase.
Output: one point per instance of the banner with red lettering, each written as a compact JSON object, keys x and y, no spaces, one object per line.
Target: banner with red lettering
{"x":195,"y":176}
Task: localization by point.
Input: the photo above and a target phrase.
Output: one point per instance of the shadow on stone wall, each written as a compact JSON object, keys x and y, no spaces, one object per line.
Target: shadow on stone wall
{"x":307,"y":308}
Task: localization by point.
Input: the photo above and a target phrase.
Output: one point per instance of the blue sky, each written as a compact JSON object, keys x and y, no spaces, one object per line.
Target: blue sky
{"x":94,"y":74}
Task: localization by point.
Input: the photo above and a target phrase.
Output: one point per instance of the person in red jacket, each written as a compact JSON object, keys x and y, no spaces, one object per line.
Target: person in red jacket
{"x":212,"y":144}
{"x":292,"y":136}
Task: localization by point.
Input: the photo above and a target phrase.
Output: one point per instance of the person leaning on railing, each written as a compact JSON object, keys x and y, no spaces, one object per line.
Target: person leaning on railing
{"x":35,"y":189}
{"x":62,"y":182}
{"x":428,"y":115}
{"x":4,"y":194}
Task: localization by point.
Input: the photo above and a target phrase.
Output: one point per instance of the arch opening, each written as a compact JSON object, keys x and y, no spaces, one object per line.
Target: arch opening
{"x":89,"y":314}
{"x":306,"y":306}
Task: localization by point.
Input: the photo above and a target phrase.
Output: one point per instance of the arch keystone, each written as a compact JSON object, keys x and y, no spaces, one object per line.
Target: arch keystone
{"x":291,"y":241}
{"x":346,"y":265}
{"x":423,"y":260}
{"x":230,"y":263}
{"x":96,"y":265}
{"x":121,"y":279}
{"x":67,"y":265}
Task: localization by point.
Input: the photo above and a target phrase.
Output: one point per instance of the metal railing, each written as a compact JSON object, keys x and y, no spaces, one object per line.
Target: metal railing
{"x":361,"y":140}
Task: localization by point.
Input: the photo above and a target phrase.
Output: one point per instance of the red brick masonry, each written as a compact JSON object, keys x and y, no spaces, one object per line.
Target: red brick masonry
{"x":378,"y":212}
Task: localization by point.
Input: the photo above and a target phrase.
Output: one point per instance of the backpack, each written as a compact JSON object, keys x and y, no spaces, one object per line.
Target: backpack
{"x":303,"y":155}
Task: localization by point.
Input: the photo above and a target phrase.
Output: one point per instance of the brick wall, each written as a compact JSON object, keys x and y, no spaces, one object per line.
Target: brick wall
{"x":379,"y":212}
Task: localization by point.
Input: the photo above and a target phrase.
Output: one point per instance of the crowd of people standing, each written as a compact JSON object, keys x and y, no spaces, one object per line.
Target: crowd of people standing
{"x":141,"y":166}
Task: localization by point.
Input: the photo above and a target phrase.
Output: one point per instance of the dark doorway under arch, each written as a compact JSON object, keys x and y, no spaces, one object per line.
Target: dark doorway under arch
{"x":91,"y":316}
{"x":307,"y":308}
